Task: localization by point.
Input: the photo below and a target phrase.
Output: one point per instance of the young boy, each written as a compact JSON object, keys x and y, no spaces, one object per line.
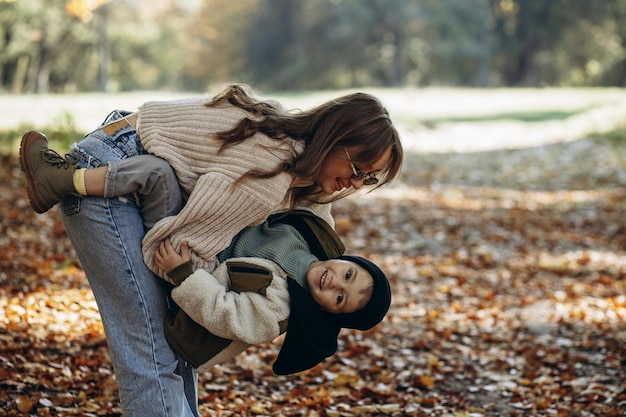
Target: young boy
{"x":316,"y":296}
{"x":276,"y":275}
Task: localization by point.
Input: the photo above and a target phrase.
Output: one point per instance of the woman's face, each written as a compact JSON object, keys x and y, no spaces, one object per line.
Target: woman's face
{"x":338,"y":285}
{"x":336,"y":173}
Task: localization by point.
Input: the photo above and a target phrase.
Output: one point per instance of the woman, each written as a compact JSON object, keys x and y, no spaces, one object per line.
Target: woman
{"x":239,"y":159}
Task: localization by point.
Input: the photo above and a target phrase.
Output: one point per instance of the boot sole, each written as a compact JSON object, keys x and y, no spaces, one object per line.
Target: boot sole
{"x":34,"y":198}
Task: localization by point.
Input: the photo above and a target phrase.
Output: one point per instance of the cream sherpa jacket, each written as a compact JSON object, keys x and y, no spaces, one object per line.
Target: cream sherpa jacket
{"x":182,"y":133}
{"x":246,"y":318}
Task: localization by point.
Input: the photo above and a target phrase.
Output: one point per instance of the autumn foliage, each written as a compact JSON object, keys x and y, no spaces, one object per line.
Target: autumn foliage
{"x":83,"y":9}
{"x":509,"y":278}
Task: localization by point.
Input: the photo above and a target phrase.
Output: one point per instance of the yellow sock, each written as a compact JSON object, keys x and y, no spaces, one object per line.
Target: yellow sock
{"x":79,"y":181}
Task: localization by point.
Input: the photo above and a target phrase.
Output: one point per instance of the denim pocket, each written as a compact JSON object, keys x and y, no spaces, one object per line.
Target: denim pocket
{"x":125,"y":141}
{"x":97,"y":148}
{"x":120,"y":145}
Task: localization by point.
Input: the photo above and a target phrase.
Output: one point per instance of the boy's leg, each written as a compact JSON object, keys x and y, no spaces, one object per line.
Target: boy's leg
{"x":154,"y":181}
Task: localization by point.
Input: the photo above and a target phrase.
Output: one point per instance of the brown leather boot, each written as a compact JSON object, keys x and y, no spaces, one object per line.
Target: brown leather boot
{"x":49,"y":176}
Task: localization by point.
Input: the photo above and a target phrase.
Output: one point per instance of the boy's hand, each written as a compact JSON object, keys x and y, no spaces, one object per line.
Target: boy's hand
{"x":167,"y":258}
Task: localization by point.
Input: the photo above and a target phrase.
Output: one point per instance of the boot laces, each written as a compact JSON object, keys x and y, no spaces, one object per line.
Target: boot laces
{"x":53,"y":158}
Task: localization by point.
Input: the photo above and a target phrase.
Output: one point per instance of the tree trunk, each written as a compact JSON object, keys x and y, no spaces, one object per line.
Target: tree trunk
{"x":42,"y":79}
{"x":104,"y":53}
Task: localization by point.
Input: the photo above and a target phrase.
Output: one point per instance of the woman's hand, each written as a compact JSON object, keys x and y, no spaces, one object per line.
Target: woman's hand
{"x":167,"y":258}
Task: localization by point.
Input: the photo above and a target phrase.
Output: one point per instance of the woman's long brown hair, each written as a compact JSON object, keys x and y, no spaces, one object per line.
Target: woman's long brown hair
{"x":357,"y":121}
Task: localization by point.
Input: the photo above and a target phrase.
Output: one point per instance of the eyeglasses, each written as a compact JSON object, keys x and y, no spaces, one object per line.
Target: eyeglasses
{"x":368,"y":179}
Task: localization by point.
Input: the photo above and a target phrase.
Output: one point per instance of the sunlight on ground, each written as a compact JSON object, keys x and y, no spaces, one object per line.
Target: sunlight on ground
{"x":541,"y":317}
{"x":480,"y":198}
{"x":59,"y":314}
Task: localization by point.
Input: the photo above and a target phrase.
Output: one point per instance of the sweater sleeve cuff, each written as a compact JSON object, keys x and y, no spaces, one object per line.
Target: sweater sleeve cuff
{"x":180,"y":273}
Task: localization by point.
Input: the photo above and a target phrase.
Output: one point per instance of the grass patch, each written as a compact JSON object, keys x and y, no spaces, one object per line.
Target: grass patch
{"x":61,"y":133}
{"x":616,"y":136}
{"x":525,"y":116}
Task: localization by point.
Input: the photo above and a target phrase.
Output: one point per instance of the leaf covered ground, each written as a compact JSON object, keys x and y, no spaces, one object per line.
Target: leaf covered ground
{"x":509,"y":277}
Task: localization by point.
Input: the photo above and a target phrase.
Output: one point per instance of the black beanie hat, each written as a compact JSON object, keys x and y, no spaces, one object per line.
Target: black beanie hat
{"x":310,"y":338}
{"x":374,"y":311}
{"x":312,"y":333}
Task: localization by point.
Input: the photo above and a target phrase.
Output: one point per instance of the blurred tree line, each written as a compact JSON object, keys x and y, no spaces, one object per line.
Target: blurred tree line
{"x":119,"y":45}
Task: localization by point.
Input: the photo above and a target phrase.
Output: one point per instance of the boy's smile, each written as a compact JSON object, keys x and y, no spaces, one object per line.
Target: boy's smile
{"x":323,"y":279}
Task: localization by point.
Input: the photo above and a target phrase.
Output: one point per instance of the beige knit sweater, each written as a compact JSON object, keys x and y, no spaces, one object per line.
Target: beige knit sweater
{"x":182,"y":132}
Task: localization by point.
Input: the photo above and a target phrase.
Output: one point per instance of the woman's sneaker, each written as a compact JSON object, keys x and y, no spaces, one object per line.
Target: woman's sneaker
{"x":49,"y":176}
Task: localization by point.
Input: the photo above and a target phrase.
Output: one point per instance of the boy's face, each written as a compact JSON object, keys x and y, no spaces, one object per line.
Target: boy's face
{"x":339,"y":286}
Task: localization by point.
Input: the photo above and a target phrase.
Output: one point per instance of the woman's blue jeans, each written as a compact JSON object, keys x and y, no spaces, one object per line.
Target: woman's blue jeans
{"x":106,"y":234}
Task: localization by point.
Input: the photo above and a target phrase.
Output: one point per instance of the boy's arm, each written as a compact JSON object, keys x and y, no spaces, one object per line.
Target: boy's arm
{"x":249,"y":317}
{"x":178,"y":266}
{"x":214,"y":213}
